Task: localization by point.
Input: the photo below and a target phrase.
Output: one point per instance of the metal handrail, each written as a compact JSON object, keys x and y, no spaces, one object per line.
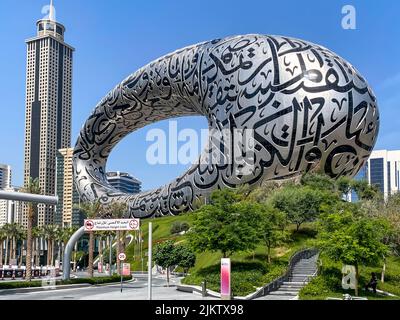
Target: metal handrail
{"x":293,"y":260}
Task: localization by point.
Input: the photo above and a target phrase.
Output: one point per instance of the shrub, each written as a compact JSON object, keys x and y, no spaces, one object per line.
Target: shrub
{"x":178,"y":227}
{"x":317,"y":287}
{"x":185,"y":226}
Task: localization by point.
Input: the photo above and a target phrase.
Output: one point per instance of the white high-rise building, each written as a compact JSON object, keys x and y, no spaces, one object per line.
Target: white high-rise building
{"x":10,"y":211}
{"x":5,"y":176}
{"x":383,"y":170}
{"x":48,"y":107}
{"x":3,"y":212}
{"x":5,"y":184}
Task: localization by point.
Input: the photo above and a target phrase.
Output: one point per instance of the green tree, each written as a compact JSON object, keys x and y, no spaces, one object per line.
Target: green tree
{"x":166,"y":256}
{"x":227,"y":224}
{"x":262,"y":193}
{"x":352,"y":239}
{"x":389,"y":211}
{"x":91,"y":210}
{"x":33,"y":188}
{"x":365,"y":191}
{"x":302,"y":203}
{"x":318,"y":181}
{"x":272,"y":228}
{"x":392,"y":214}
{"x":186,"y":257}
{"x":344,"y":185}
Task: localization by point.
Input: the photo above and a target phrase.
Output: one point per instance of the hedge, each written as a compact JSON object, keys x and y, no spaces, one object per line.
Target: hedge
{"x":38,"y":283}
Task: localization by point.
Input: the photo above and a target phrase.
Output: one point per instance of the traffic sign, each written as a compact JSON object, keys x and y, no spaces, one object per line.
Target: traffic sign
{"x":112,"y":224}
{"x":122,"y":256}
{"x":89,"y":225}
{"x":126,"y":269}
{"x":134,"y":224}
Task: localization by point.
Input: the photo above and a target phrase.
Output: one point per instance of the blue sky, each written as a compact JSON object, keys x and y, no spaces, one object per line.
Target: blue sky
{"x":115,"y":38}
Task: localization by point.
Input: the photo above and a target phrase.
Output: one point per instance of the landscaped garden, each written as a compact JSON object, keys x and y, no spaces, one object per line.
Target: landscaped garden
{"x":261,"y":229}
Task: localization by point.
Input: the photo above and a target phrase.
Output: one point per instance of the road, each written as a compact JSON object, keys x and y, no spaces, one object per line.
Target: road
{"x":135,"y":290}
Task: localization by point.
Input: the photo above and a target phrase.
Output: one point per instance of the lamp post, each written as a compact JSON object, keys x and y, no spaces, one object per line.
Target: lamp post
{"x":150,"y":261}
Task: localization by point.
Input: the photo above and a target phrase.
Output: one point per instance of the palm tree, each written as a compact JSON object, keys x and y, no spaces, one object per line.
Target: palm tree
{"x":108,"y":235}
{"x":3,"y":237}
{"x":22,"y":237}
{"x":91,"y":210}
{"x":65,"y":234}
{"x":100,"y":236}
{"x":117,"y":211}
{"x":8,"y":234}
{"x":33,"y":188}
{"x":15,"y":233}
{"x":36,"y":236}
{"x":51,"y":233}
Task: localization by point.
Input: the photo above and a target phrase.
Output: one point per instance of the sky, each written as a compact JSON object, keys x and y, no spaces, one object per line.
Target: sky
{"x":114,"y":38}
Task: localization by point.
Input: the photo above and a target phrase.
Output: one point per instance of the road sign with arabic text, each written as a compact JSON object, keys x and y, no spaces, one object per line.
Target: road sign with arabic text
{"x":112,"y":224}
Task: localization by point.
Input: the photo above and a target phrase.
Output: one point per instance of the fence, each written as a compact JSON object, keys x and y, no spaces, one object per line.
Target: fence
{"x":18,"y":273}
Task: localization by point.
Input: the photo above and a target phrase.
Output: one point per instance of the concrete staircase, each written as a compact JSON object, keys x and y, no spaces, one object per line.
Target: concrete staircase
{"x":301,"y":274}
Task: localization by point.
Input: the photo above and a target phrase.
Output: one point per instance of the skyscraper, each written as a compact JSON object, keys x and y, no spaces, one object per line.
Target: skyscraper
{"x":66,"y":214}
{"x":48,"y":106}
{"x":124,"y":182}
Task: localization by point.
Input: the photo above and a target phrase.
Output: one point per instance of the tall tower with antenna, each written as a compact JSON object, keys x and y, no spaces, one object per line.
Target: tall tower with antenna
{"x":48,"y":106}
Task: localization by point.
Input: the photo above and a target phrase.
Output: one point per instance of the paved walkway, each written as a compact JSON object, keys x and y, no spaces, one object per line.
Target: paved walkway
{"x":302,"y":273}
{"x":134,"y":290}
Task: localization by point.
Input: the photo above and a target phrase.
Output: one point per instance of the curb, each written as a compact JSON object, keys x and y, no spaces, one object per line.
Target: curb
{"x":197,"y":289}
{"x":40,"y":289}
{"x":59,"y":287}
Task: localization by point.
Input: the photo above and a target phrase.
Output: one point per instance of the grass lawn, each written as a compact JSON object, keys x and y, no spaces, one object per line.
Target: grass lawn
{"x":328,"y":282}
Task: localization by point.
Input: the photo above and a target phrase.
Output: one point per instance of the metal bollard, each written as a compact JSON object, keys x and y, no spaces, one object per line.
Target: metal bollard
{"x":204,"y":288}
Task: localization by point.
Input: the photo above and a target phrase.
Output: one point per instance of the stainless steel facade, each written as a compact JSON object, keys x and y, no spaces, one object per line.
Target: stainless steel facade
{"x":307,"y":109}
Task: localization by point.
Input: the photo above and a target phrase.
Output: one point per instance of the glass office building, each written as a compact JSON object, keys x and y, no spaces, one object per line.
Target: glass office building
{"x":124,"y":182}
